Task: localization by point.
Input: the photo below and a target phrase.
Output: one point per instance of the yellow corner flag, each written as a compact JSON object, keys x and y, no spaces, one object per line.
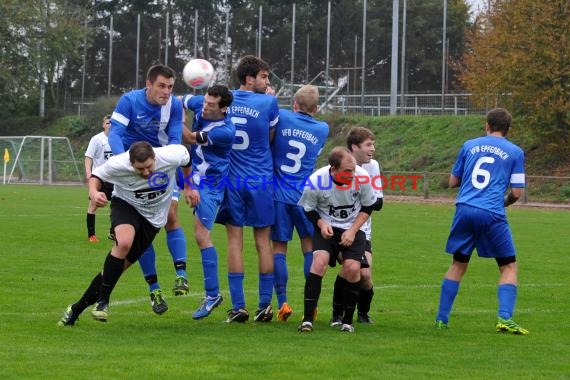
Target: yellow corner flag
{"x":6,"y":155}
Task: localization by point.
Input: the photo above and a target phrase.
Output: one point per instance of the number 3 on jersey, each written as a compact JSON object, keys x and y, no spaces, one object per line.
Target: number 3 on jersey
{"x":295,"y":157}
{"x":241,"y":134}
{"x":479,"y":172}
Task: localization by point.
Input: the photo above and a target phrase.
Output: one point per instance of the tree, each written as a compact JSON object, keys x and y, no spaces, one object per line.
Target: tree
{"x":519,"y":57}
{"x":40,"y":40}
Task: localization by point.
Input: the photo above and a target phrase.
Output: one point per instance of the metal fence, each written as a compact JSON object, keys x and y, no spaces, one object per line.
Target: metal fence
{"x":408,"y":104}
{"x":369,"y":104}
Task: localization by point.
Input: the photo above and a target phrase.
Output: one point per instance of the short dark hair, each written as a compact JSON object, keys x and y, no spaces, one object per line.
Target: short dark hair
{"x":336,"y":156}
{"x":140,"y":151}
{"x":357,"y":135}
{"x":223,"y":92}
{"x":250,"y":65}
{"x":499,"y":120}
{"x":157,"y":70}
{"x":106,"y":117}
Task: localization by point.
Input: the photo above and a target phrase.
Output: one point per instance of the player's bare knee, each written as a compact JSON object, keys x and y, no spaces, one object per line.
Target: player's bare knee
{"x":366,"y":278}
{"x":121,"y":249}
{"x":351,"y":270}
{"x":320,"y":262}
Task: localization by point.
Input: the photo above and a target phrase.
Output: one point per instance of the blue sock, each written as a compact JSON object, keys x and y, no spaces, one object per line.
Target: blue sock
{"x":308,"y":256}
{"x":176,"y":242}
{"x":507,"y":295}
{"x":265,"y":288}
{"x":210,"y":267}
{"x":449,"y":289}
{"x":281,"y":277}
{"x":235,"y":282}
{"x":147,"y":263}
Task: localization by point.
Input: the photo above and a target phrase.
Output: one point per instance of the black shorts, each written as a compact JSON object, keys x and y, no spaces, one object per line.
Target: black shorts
{"x":124,"y":213}
{"x":368,"y":246}
{"x":107,"y":188}
{"x":333,"y":247}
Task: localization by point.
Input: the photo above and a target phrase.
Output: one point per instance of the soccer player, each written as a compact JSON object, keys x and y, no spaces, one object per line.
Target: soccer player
{"x":338,"y":205}
{"x":248,"y":199}
{"x":153,"y":114}
{"x":97,"y":153}
{"x":298,"y":141}
{"x":360,"y":141}
{"x":212,"y":135}
{"x":137,"y":214}
{"x":484,"y":170}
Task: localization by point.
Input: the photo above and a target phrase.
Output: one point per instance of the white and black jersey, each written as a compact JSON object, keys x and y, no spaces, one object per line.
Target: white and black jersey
{"x":99,"y":149}
{"x":150,"y":197}
{"x":339,"y":207}
{"x":373,"y":170}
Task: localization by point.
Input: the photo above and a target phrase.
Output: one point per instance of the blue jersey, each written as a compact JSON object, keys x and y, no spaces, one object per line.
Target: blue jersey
{"x":135,"y":119}
{"x":253,"y":116}
{"x":487,"y":166}
{"x":210,"y":161}
{"x":299,"y":138}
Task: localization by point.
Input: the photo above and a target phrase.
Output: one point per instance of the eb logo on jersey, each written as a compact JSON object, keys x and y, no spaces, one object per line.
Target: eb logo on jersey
{"x":341,"y":212}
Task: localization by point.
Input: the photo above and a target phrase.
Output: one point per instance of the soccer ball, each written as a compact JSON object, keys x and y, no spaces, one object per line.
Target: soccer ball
{"x":198,"y":73}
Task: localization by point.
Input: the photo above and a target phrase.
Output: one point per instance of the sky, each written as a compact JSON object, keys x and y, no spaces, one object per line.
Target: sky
{"x":477,"y":4}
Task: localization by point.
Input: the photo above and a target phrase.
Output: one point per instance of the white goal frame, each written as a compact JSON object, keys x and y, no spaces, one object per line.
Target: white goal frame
{"x":18,"y":144}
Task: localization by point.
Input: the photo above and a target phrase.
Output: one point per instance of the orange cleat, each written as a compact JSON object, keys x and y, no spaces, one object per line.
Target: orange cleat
{"x":284,"y":313}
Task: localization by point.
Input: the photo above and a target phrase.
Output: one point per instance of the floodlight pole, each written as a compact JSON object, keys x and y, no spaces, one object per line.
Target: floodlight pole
{"x":196,"y":33}
{"x":403,"y":63}
{"x":83,"y":68}
{"x":227,"y":45}
{"x":394,"y":66}
{"x":363,"y":75}
{"x":259,"y":32}
{"x":166,"y":39}
{"x":328,"y":55}
{"x":138,"y":50}
{"x":443,"y":54}
{"x":307,"y":59}
{"x":293,"y":55}
{"x":110,"y":57}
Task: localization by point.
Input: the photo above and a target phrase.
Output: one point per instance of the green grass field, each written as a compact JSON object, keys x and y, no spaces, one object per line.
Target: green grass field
{"x":46,"y":263}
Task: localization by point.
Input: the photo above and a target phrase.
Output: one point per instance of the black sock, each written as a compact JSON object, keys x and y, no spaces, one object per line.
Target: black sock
{"x":112,"y":270}
{"x":312,"y":293}
{"x":151,"y":279}
{"x":90,"y":296}
{"x":364,"y":300}
{"x":338,"y":295}
{"x":351,"y":290}
{"x":180,"y":265}
{"x":90,"y":224}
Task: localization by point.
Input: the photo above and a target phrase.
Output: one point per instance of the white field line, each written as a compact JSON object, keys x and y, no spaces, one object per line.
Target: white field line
{"x":196,"y":296}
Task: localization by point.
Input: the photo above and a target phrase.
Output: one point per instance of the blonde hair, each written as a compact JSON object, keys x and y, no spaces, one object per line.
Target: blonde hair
{"x":307,"y":98}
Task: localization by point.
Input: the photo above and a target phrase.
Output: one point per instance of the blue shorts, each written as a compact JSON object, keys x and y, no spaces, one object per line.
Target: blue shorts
{"x":210,"y":200}
{"x":247,"y":206}
{"x":487,"y":231}
{"x":287,"y":217}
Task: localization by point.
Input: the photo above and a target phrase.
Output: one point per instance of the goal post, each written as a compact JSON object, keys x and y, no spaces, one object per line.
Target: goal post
{"x":41,"y":160}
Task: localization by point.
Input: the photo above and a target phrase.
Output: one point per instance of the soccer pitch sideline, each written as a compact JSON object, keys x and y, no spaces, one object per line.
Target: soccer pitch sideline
{"x":46,"y":263}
